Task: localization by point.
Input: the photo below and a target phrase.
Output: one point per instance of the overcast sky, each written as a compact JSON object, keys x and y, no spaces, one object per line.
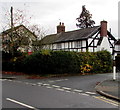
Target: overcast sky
{"x":48,"y":13}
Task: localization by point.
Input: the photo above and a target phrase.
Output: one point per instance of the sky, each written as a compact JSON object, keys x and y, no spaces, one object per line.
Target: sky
{"x":48,"y":13}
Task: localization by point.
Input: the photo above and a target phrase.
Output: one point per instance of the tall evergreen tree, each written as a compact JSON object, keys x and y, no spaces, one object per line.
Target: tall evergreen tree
{"x":84,"y":20}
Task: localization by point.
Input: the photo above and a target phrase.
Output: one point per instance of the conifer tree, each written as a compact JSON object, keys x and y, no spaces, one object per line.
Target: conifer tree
{"x":84,"y":20}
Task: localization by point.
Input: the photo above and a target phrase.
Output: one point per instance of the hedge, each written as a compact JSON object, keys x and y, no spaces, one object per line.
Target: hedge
{"x":58,"y":62}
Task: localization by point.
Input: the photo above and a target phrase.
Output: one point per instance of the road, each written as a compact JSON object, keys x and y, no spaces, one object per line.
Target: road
{"x":64,"y":92}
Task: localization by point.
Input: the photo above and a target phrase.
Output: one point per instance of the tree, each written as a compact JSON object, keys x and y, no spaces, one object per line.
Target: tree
{"x":37,"y":30}
{"x":84,"y":20}
{"x":16,"y":37}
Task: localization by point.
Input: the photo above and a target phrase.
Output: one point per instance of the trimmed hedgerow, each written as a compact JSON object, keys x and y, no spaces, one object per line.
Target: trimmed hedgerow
{"x":58,"y":62}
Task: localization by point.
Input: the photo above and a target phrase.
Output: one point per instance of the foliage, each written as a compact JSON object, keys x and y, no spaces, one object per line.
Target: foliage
{"x":12,"y":63}
{"x":58,"y":62}
{"x":85,"y":68}
{"x":14,"y":38}
{"x":85,"y":19}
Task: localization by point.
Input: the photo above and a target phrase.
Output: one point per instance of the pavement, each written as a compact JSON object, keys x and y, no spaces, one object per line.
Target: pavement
{"x":109,"y":88}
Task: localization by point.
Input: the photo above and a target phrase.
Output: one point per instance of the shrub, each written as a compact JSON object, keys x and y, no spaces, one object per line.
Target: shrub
{"x":58,"y":62}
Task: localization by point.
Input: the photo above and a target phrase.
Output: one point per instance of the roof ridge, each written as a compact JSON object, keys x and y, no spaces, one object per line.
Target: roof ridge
{"x":81,"y":29}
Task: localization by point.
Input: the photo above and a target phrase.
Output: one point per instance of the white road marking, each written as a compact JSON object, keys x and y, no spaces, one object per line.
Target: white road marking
{"x":30,"y":83}
{"x":46,"y":84}
{"x":60,"y":89}
{"x":66,"y":88}
{"x":39,"y":83}
{"x":90,"y":92}
{"x":34,"y":84}
{"x":83,"y":94}
{"x":27,"y":83}
{"x":20,"y":103}
{"x":65,"y":79}
{"x":9,"y":80}
{"x":77,"y":90}
{"x":48,"y":87}
{"x":55,"y":86}
{"x":3,"y":79}
{"x":59,"y":80}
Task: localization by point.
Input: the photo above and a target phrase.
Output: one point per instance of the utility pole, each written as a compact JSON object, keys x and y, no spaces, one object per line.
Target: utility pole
{"x":12,"y":42}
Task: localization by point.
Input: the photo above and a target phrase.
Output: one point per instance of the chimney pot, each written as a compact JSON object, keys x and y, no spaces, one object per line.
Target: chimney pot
{"x":60,"y":23}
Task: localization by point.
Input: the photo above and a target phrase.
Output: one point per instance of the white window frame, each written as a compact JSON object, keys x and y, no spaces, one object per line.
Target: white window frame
{"x":59,"y":46}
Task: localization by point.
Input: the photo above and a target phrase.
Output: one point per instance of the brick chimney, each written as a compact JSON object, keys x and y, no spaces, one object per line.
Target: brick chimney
{"x":60,"y":28}
{"x":103,"y":30}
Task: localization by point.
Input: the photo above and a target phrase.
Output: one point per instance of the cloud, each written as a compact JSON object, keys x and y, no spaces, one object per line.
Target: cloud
{"x":48,"y":12}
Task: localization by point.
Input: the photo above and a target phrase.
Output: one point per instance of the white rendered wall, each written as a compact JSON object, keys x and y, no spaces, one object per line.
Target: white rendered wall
{"x":105,"y":45}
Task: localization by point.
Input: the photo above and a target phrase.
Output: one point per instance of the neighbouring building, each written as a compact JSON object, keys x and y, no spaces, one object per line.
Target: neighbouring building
{"x":22,"y":37}
{"x":90,"y":39}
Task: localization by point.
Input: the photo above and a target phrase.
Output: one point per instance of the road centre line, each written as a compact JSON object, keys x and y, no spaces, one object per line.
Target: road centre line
{"x":55,"y":86}
{"x":9,"y":80}
{"x":65,"y":79}
{"x":77,"y":90}
{"x":20,"y":103}
{"x":39,"y":83}
{"x":59,"y":80}
{"x":45,"y":84}
{"x":106,"y":100}
{"x":27,"y":83}
{"x":34,"y":84}
{"x":60,"y":89}
{"x":90,"y":92}
{"x":48,"y":87}
{"x":84,"y":94}
{"x":66,"y":88}
{"x":3,"y":79}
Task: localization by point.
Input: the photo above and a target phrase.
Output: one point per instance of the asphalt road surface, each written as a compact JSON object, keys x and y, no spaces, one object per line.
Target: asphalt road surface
{"x":65,"y":92}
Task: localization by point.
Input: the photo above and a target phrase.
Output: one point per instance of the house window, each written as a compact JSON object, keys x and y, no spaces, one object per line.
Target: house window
{"x":78,"y":44}
{"x":59,"y":46}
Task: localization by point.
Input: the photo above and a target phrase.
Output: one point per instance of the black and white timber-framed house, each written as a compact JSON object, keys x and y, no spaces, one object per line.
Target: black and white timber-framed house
{"x":90,"y":39}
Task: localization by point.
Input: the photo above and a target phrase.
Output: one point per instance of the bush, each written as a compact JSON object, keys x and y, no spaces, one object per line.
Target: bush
{"x":12,"y":63}
{"x":58,"y":62}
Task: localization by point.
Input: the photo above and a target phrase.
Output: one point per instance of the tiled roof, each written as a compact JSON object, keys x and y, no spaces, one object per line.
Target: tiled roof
{"x":17,"y":27}
{"x":70,"y":36}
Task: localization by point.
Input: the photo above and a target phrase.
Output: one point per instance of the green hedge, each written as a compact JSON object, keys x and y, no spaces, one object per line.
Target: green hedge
{"x":57,"y":62}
